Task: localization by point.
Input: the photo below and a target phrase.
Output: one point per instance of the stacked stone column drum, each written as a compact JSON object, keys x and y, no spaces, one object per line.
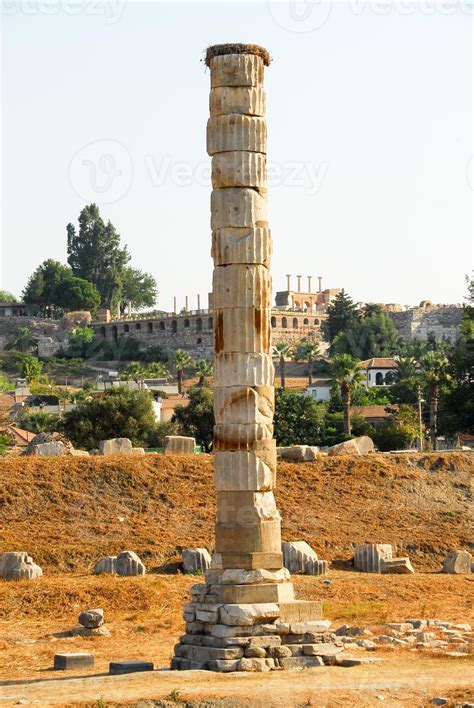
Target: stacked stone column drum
{"x":239,"y":618}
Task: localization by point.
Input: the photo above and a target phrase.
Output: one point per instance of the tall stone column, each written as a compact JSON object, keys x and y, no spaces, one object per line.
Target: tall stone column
{"x":248,"y":593}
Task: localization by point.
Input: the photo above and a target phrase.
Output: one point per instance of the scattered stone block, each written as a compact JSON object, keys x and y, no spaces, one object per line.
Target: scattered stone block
{"x":73,"y":660}
{"x":179,"y":445}
{"x":79,"y":453}
{"x":54,"y":448}
{"x":368,"y":557}
{"x":115,"y":446}
{"x":92,"y":618}
{"x":140,"y":451}
{"x":322,"y":649}
{"x":196,"y":560}
{"x":256,"y":664}
{"x":293,"y":663}
{"x":18,"y":565}
{"x":298,"y":453}
{"x":106,"y":565}
{"x":439,"y":701}
{"x":129,"y":667}
{"x":398,"y":566}
{"x":128,"y":563}
{"x":299,"y":557}
{"x":356,"y":446}
{"x":458,"y":563}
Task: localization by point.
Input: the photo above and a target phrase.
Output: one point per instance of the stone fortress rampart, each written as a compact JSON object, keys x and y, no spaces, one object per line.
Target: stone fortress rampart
{"x":297,"y":316}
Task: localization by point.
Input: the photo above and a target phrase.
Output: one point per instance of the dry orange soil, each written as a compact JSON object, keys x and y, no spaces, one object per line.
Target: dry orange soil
{"x":69,"y":512}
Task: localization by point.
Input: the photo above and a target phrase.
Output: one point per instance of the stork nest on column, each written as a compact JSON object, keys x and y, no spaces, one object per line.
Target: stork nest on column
{"x":220,"y":49}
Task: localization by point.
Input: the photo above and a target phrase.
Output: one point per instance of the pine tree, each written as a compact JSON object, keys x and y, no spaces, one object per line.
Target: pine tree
{"x":342,"y":315}
{"x":95,"y":254}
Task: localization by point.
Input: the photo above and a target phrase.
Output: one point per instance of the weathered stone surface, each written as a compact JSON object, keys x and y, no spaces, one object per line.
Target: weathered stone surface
{"x":242,"y":329}
{"x":323,"y":649}
{"x":307,"y":611}
{"x":251,"y":561}
{"x":242,"y":245}
{"x":49,"y":449}
{"x":297,"y":555}
{"x":92,"y":618}
{"x":236,"y":70}
{"x":249,"y":594}
{"x":241,"y":285}
{"x":79,"y":453}
{"x":239,"y":169}
{"x":18,"y":565}
{"x":246,"y":508}
{"x":264,"y":536}
{"x":140,"y":451}
{"x":236,"y":437}
{"x":238,"y":576}
{"x":356,"y":446}
{"x":248,"y":100}
{"x":399,"y":566}
{"x":106,"y":565}
{"x":310,"y":627}
{"x":179,"y":444}
{"x":238,"y":208}
{"x":244,"y":405}
{"x":243,"y":369}
{"x":458,"y":562}
{"x":246,"y":614}
{"x":236,"y":132}
{"x":72,"y":660}
{"x":128,"y":563}
{"x":196,"y":560}
{"x":368,"y":557}
{"x":256,"y":664}
{"x":255,"y":653}
{"x":243,"y":471}
{"x":298,"y":453}
{"x":301,"y":662}
{"x":115,"y":446}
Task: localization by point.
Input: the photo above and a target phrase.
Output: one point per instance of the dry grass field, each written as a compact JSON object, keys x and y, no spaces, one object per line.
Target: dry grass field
{"x":70,"y":512}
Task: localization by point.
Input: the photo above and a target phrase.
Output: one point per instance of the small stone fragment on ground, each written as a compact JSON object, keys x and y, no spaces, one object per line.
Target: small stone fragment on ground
{"x":196,"y":560}
{"x":458,"y":562}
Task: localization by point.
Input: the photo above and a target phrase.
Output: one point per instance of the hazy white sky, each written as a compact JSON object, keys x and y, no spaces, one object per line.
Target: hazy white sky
{"x":370,"y":138}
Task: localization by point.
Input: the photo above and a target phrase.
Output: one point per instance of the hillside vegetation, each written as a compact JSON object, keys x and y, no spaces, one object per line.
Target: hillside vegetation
{"x":69,"y":512}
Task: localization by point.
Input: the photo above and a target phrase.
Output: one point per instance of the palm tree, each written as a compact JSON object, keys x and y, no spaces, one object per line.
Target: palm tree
{"x":346,"y":373}
{"x":203,"y":368}
{"x":182,"y":361}
{"x":435,"y":372}
{"x":308,"y":351}
{"x":156,"y":370}
{"x":407,"y":368}
{"x":282,"y":351}
{"x":23,"y":339}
